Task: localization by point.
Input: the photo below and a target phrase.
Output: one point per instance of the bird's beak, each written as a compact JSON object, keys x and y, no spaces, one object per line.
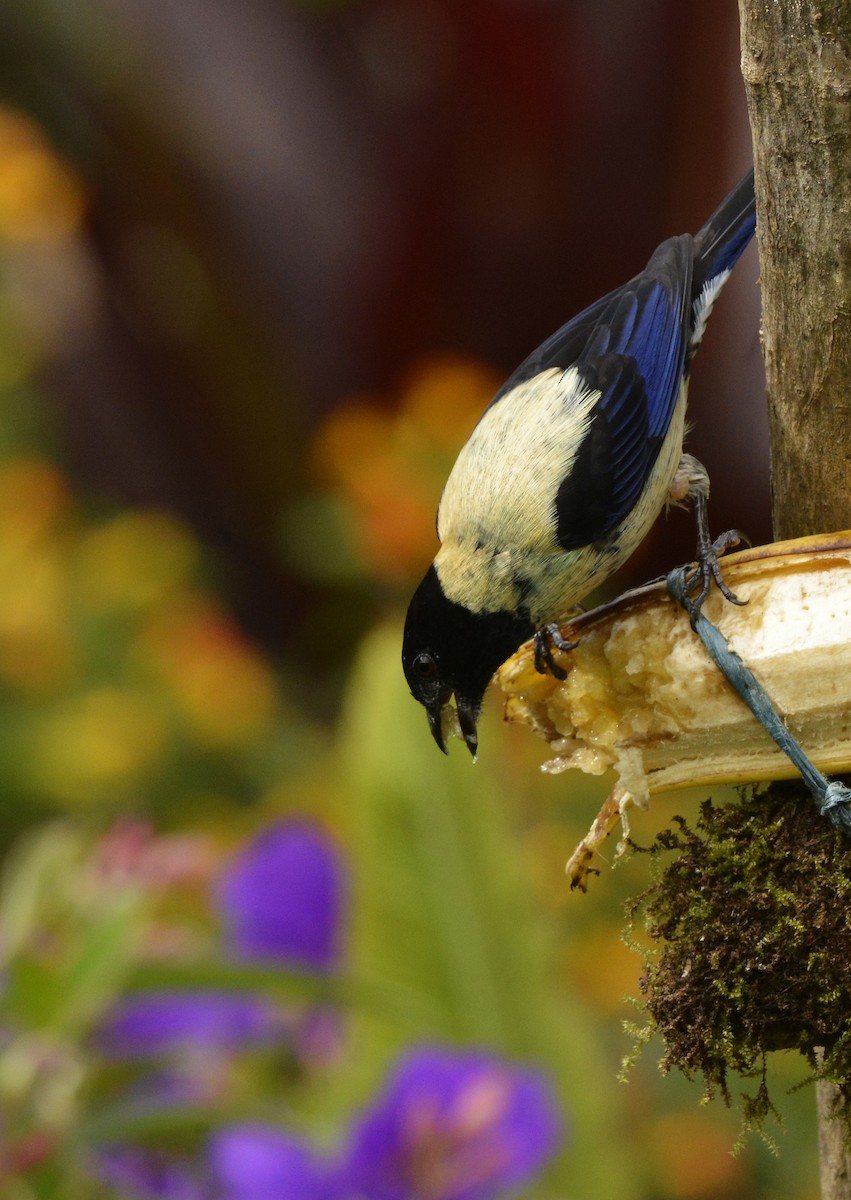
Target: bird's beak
{"x":467,"y":716}
{"x":434,"y":712}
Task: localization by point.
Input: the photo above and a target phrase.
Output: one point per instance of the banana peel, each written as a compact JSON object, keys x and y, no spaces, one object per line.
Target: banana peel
{"x":643,"y":698}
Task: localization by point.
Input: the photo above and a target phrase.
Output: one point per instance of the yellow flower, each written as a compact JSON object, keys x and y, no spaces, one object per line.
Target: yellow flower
{"x":134,"y":561}
{"x":96,"y":742}
{"x":41,"y":197}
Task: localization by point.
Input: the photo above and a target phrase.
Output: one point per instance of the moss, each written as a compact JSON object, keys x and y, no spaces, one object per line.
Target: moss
{"x":750,"y":923}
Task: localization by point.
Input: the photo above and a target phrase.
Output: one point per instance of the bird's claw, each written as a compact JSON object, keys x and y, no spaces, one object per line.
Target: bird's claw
{"x":546,"y":639}
{"x":708,"y":569}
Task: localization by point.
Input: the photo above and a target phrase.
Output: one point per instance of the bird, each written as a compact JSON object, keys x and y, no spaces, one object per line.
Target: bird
{"x":565,"y":472}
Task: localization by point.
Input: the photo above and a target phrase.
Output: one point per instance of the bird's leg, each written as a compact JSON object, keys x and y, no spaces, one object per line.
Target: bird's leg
{"x":545,"y":639}
{"x":708,"y":553}
{"x":691,"y":481}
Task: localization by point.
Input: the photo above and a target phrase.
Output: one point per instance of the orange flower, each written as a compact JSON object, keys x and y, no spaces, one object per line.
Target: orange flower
{"x":221,"y":685}
{"x":390,"y":467}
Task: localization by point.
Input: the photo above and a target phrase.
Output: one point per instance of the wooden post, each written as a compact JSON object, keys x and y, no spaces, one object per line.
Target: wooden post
{"x":834,"y":1159}
{"x":796,"y":63}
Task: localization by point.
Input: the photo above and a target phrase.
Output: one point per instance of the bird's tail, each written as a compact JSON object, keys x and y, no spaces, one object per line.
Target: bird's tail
{"x":724,"y":236}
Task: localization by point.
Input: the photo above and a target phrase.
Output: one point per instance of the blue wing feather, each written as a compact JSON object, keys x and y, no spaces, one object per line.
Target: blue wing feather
{"x":644,"y":329}
{"x":633,"y":346}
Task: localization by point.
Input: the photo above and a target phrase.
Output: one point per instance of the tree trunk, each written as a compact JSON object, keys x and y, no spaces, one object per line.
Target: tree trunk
{"x":796,"y":63}
{"x":834,"y":1160}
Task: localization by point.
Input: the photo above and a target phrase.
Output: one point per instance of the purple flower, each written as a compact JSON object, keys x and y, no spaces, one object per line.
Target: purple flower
{"x":255,"y":1162}
{"x":448,"y":1126}
{"x":451,"y":1126}
{"x":154,"y":1023}
{"x":146,"y":1174}
{"x":281,"y":899}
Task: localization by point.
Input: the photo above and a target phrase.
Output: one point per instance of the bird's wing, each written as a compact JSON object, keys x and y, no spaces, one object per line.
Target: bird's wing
{"x":630,"y":347}
{"x":634,"y":357}
{"x":612,"y":461}
{"x":649,"y":322}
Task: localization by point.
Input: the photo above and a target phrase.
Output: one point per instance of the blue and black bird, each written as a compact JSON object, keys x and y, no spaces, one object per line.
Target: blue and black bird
{"x":565,"y":472}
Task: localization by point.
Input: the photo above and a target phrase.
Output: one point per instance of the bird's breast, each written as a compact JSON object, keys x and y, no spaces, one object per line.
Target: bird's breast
{"x":501,"y":491}
{"x":497,"y":521}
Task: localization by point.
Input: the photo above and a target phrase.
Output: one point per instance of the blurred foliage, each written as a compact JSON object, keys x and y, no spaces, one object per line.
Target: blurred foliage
{"x":129,"y":690}
{"x":123,"y":681}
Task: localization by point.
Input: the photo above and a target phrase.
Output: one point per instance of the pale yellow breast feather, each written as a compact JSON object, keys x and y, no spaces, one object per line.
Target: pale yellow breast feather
{"x":497,"y":521}
{"x":501,"y":490}
{"x":497,"y":508}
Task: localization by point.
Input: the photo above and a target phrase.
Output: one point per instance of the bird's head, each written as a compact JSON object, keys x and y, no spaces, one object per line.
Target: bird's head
{"x":448,"y":650}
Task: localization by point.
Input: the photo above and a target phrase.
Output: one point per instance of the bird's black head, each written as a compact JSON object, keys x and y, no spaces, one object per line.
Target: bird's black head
{"x":448,"y":650}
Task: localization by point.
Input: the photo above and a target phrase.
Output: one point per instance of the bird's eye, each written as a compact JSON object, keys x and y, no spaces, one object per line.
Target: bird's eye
{"x":424,"y":666}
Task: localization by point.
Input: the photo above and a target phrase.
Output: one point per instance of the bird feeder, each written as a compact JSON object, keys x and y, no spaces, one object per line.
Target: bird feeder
{"x":643,"y":698}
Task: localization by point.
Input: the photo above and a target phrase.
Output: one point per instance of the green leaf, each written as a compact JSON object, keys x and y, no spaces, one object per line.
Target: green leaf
{"x":37,"y":873}
{"x":279,"y":983}
{"x":443,"y":909}
{"x":68,"y":943}
{"x":96,"y":972}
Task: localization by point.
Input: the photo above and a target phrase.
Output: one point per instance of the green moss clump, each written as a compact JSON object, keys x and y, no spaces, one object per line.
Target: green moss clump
{"x":751,"y":931}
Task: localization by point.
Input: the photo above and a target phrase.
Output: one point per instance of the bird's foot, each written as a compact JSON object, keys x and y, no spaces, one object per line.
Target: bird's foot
{"x":546,"y":640}
{"x":708,"y":570}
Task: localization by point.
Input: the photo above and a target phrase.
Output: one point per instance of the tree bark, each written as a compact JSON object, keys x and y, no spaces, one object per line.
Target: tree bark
{"x":834,"y":1160}
{"x":796,"y":62}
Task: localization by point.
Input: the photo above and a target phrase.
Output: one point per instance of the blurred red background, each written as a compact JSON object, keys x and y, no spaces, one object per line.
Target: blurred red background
{"x":290,"y":204}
